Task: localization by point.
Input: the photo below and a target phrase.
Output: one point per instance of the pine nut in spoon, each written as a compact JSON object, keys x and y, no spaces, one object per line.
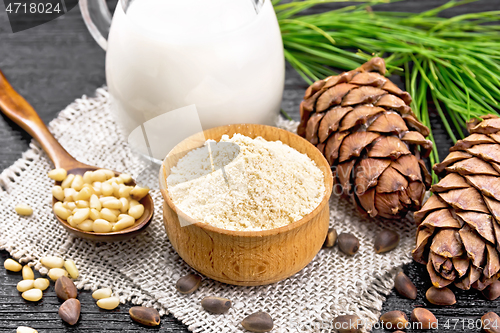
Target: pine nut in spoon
{"x":22,"y":113}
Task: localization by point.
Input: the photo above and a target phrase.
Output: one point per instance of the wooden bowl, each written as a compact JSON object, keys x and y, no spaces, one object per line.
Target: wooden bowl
{"x":247,"y":258}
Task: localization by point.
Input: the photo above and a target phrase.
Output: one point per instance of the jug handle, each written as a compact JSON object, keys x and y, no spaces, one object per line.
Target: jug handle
{"x":97,"y":18}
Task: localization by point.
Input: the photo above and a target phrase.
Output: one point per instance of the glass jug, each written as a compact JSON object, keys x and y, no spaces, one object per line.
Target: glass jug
{"x":207,"y":63}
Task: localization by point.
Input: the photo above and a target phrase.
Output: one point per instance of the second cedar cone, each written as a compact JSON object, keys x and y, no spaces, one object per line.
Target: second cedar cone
{"x":458,"y":235}
{"x":363,"y":124}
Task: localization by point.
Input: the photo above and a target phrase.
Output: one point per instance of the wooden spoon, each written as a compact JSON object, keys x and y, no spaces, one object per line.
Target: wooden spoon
{"x":22,"y":113}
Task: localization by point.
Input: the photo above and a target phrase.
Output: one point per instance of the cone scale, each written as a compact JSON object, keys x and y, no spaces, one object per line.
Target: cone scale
{"x":363,"y":124}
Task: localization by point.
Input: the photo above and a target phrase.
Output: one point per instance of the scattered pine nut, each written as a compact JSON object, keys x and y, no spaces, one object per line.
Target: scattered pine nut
{"x":28,"y":273}
{"x":25,"y":285}
{"x":71,"y":268}
{"x":109,"y":303}
{"x":32,"y":295}
{"x":23,"y":209}
{"x":41,"y":284}
{"x":56,"y":273}
{"x":25,"y":329}
{"x":12,"y":265}
{"x":52,"y":262}
{"x":102,"y":293}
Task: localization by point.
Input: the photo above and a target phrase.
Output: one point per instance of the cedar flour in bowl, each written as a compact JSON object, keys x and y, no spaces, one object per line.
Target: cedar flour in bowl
{"x":257,"y":184}
{"x":254,"y":213}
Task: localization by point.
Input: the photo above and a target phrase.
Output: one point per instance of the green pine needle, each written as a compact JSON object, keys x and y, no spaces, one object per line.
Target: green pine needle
{"x":454,"y":63}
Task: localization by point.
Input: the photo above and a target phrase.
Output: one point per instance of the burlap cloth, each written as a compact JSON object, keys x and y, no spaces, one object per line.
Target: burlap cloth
{"x":143,"y":270}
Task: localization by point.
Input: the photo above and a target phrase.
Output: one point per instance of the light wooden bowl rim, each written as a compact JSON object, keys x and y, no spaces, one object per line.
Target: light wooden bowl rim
{"x":310,"y":148}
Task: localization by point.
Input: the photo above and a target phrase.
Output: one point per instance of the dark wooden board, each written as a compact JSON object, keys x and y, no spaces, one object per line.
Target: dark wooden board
{"x":53,"y":64}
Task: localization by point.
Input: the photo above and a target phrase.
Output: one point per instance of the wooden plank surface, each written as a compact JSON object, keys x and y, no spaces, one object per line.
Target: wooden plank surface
{"x":53,"y":64}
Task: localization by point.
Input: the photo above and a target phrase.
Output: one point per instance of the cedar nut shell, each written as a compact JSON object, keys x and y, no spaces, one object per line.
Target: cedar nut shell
{"x":492,"y":292}
{"x":331,"y":238}
{"x":386,"y":241}
{"x":440,"y":296}
{"x":65,"y":288}
{"x":425,"y":317}
{"x":404,"y":286}
{"x":489,"y":320}
{"x":258,"y":322}
{"x":347,"y":324}
{"x":144,"y":315}
{"x":188,"y":283}
{"x":393,"y":320}
{"x":69,"y":311}
{"x":348,"y":243}
{"x":216,"y":304}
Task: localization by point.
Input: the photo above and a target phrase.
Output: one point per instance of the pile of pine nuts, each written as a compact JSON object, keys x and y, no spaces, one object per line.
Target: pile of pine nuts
{"x":32,"y":288}
{"x":98,"y":201}
{"x":59,"y":271}
{"x":69,"y":311}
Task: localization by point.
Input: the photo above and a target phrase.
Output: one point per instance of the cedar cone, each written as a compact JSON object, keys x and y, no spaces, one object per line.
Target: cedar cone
{"x":458,"y":235}
{"x":363,"y":124}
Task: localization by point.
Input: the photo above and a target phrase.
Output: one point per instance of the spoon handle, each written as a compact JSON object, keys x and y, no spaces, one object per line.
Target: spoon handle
{"x":22,"y":113}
